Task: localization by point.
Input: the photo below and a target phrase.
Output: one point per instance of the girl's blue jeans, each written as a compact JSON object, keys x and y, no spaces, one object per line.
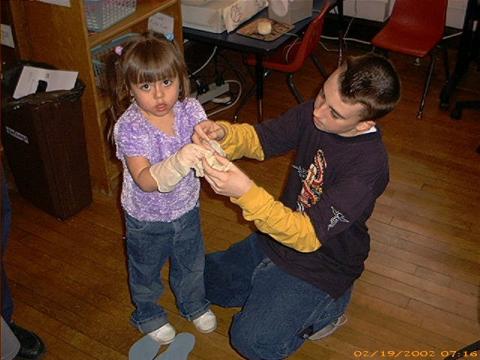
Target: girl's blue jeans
{"x":149,"y":246}
{"x":278,"y":311}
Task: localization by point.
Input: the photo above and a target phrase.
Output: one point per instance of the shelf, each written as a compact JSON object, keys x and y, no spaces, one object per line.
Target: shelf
{"x":145,"y":9}
{"x":103,"y":102}
{"x":66,"y":44}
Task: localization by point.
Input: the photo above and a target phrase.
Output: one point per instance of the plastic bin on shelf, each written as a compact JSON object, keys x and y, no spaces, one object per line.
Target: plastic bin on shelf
{"x":99,"y":55}
{"x":102,"y":14}
{"x":44,"y":142}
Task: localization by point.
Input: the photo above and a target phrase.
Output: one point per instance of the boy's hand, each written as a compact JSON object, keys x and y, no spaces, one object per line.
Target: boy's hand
{"x":207,"y":130}
{"x":233,"y":182}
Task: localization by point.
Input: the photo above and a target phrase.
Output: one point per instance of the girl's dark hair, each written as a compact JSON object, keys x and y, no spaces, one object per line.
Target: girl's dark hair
{"x":148,"y":57}
{"x":372,"y":81}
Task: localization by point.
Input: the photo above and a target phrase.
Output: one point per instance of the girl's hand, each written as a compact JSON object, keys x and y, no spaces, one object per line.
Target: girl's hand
{"x":233,"y":182}
{"x":190,"y":155}
{"x":207,"y":130}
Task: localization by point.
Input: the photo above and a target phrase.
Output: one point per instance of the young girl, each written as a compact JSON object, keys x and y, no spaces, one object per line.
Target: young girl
{"x":160,"y":192}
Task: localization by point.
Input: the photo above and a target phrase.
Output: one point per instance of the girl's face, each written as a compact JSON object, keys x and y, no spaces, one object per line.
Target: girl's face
{"x":158,"y":98}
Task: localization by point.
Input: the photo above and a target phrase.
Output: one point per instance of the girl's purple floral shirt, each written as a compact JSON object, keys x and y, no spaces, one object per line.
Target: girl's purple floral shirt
{"x":135,"y":136}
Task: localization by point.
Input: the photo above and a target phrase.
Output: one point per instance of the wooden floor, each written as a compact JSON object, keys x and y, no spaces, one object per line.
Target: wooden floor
{"x":419,"y":296}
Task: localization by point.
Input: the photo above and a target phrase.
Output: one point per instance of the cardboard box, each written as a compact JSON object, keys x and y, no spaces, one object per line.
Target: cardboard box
{"x":456,"y":13}
{"x":297,"y":10}
{"x":376,"y":10}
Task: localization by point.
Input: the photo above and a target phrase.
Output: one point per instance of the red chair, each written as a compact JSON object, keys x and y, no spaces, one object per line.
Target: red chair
{"x":291,"y":57}
{"x":415,"y":28}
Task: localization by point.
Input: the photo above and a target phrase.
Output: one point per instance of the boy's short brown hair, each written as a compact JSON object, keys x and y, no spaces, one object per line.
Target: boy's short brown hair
{"x":370,"y":80}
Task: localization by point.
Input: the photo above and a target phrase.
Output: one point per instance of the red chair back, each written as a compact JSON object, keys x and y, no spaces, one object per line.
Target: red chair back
{"x":299,"y":51}
{"x":420,"y":16}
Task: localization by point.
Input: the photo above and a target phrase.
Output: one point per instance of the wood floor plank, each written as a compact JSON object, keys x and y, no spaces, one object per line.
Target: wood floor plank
{"x":414,"y":281}
{"x":411,"y":318}
{"x":55,"y":336}
{"x":439,"y":314}
{"x":436,"y":207}
{"x":455,"y":245}
{"x":410,"y":334}
{"x":52,"y":319}
{"x":440,"y":267}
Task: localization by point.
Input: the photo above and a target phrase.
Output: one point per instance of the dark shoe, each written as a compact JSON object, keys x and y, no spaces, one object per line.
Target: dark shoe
{"x":31,"y":346}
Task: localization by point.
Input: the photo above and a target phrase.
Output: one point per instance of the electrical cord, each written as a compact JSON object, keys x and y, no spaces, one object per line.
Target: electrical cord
{"x":446,"y":37}
{"x":206,"y":62}
{"x":452,"y":35}
{"x":348,"y":27}
{"x":239,"y":84}
{"x":345,"y":39}
{"x":233,"y":68}
{"x":326,"y":48}
{"x":289,"y":48}
{"x":368,"y":42}
{"x":227,"y":104}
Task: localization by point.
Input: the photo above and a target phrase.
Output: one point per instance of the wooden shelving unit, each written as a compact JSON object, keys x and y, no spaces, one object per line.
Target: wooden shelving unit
{"x":58,"y":35}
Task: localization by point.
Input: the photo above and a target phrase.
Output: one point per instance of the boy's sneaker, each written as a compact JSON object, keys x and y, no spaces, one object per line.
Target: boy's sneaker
{"x":329,"y":329}
{"x":206,"y":323}
{"x":163,"y":335}
{"x":31,"y":346}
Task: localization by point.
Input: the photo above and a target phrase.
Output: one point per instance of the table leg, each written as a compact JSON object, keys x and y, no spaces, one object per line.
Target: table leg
{"x":243,"y":102}
{"x":464,"y":55}
{"x":259,"y":74}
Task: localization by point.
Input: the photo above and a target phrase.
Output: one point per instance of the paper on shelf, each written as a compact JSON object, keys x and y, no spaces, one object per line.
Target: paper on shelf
{"x":31,"y":76}
{"x":57,"y":2}
{"x":161,"y":23}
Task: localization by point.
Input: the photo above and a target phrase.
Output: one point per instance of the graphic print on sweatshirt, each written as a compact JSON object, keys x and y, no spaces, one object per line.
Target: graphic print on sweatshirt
{"x":312,"y":182}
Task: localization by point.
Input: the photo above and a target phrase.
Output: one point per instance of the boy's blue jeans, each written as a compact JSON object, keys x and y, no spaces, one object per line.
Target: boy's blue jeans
{"x":149,"y":246}
{"x":279,"y":311}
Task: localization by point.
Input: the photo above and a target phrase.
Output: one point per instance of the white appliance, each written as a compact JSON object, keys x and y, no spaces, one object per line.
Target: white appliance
{"x":219,"y":15}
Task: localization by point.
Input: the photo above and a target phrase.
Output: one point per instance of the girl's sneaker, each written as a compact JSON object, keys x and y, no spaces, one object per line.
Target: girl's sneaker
{"x":163,"y":335}
{"x":206,"y":323}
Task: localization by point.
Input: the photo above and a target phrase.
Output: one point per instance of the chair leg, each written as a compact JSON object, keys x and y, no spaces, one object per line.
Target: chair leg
{"x":460,"y":105}
{"x":427,"y":86}
{"x":319,"y":66}
{"x":294,"y":89}
{"x":445,"y":62}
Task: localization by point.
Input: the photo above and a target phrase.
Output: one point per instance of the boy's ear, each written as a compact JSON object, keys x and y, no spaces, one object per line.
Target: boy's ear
{"x":365,"y":125}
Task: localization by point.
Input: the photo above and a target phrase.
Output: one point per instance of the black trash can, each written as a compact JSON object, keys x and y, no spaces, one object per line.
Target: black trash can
{"x":44,"y":141}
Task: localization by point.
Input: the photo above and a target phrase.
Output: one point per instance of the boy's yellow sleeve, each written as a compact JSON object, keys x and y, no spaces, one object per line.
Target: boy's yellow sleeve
{"x":291,"y":228}
{"x":241,"y":140}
